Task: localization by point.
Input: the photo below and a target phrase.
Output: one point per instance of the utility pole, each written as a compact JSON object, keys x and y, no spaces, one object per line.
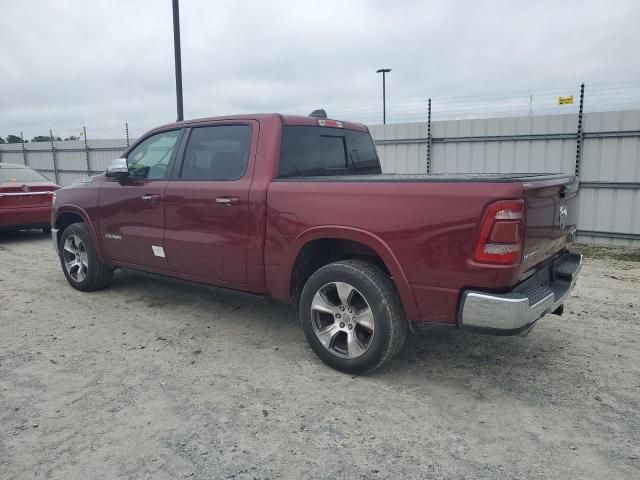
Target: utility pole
{"x":384,"y":71}
{"x":178,"y":57}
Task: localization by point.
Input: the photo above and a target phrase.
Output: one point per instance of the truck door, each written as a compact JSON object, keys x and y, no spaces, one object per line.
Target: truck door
{"x":207,"y":204}
{"x":131,"y":211}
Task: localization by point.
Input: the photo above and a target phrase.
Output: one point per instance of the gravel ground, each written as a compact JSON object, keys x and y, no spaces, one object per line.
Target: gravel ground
{"x":153,"y":379}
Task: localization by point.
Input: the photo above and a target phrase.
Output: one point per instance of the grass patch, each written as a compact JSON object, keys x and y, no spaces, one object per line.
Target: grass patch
{"x":626,"y":254}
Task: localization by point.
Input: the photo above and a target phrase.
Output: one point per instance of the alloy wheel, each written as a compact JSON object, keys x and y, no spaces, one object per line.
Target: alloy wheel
{"x":342,"y":320}
{"x":74,"y":255}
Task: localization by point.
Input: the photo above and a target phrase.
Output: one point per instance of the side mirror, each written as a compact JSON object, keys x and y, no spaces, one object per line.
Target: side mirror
{"x":118,"y":168}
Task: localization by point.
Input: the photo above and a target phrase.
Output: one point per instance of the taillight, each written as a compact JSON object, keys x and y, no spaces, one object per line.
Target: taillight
{"x":501,"y":233}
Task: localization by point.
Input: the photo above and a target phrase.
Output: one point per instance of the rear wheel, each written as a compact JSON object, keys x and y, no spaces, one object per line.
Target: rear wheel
{"x":352,"y":316}
{"x":80,"y":263}
{"x":46,"y":230}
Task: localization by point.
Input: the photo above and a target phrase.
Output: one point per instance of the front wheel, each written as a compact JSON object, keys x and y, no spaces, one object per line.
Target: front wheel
{"x":79,"y":260}
{"x":352,"y":316}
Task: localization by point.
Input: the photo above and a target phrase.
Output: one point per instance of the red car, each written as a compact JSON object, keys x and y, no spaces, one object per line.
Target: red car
{"x":296,"y":209}
{"x":26,"y":198}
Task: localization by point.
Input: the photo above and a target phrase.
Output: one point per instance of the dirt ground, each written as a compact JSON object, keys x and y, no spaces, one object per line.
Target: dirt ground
{"x":152,"y":379}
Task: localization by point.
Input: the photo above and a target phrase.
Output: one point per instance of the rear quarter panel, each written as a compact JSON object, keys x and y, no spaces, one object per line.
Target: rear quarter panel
{"x":429,"y":228}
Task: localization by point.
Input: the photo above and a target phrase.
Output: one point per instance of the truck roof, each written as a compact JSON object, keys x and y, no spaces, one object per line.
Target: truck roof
{"x":284,"y":119}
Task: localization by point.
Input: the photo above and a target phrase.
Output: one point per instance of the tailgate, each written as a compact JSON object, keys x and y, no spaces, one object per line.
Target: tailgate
{"x":551,"y":214}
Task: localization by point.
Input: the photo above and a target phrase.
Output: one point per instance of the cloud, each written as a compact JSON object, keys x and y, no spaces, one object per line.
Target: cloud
{"x":99,"y":64}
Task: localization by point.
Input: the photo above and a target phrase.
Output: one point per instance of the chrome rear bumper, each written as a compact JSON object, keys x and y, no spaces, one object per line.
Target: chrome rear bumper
{"x":517,"y":310}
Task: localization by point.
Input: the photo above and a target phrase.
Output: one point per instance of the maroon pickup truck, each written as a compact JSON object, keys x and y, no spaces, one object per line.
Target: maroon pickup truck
{"x":296,"y":209}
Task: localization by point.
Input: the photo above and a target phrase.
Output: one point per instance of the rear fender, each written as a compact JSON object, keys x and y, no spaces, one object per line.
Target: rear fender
{"x":370,"y":240}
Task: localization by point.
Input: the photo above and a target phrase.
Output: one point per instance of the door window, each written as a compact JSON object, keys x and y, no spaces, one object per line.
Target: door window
{"x":217,"y":153}
{"x":307,"y":151}
{"x":151,"y":158}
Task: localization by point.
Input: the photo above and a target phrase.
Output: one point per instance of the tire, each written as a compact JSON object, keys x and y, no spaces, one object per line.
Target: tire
{"x":46,"y":230}
{"x":334,"y":312}
{"x":87,"y":273}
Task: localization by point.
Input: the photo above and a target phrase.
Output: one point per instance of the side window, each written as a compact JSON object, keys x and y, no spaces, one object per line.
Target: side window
{"x":312,"y":151}
{"x":217,"y":153}
{"x":321,"y":151}
{"x":151,"y":158}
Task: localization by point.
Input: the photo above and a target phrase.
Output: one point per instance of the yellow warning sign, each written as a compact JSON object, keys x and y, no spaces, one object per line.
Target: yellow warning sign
{"x":565,"y":100}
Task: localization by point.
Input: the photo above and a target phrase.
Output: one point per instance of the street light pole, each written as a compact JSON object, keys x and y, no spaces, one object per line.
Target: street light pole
{"x":178,"y":58}
{"x":384,"y":71}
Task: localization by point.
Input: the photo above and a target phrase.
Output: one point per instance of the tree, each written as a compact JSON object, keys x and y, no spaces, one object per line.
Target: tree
{"x":71,"y":137}
{"x":2,"y":141}
{"x":45,"y":138}
{"x":13,"y":139}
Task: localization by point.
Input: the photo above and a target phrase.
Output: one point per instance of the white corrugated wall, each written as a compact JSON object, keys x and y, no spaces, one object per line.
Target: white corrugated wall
{"x":404,"y":150}
{"x":613,"y":159}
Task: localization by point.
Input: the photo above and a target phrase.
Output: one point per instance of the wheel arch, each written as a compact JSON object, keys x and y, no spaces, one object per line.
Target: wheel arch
{"x":374,"y":248}
{"x":68,"y":215}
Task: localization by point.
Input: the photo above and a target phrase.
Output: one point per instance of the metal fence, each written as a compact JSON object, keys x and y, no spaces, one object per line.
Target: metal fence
{"x":65,"y":161}
{"x":602,"y":148}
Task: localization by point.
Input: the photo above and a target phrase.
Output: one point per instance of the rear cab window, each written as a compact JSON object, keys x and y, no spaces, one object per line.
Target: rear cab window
{"x":313,"y":151}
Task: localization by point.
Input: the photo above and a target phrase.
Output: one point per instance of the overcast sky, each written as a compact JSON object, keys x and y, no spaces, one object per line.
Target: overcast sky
{"x":65,"y":64}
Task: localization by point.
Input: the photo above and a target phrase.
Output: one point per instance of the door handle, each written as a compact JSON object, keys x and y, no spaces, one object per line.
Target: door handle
{"x":148,"y":197}
{"x":227,"y":200}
